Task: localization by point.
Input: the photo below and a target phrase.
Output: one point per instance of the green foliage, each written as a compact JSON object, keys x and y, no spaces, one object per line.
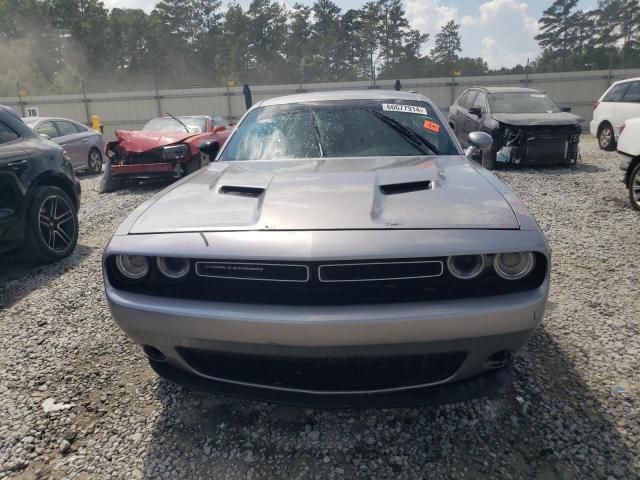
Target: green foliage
{"x":56,"y":46}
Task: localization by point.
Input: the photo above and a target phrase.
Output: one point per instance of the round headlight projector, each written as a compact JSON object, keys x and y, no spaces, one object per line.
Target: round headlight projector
{"x":173,"y":268}
{"x":466,"y":267}
{"x":132,"y":267}
{"x":513,"y":266}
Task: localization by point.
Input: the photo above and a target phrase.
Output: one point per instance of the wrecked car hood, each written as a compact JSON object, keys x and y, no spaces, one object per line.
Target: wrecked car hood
{"x":537,"y":119}
{"x":329,"y":194}
{"x":142,"y":141}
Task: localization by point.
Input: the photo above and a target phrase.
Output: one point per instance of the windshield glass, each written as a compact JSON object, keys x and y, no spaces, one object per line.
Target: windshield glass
{"x":168,"y":124}
{"x":523,"y":102}
{"x":339,"y":129}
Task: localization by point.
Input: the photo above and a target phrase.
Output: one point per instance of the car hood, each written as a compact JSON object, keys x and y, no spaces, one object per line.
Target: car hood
{"x":331,"y":194}
{"x":537,"y":119}
{"x":142,"y":141}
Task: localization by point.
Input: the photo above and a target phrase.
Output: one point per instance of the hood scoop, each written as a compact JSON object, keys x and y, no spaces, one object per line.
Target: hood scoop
{"x":405,"y":187}
{"x":241,"y":191}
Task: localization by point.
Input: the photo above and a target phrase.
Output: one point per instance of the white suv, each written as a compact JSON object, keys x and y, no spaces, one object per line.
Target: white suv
{"x":629,"y":149}
{"x":619,"y":103}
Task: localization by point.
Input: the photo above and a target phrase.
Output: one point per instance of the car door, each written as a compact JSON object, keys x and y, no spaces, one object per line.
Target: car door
{"x":14,"y":164}
{"x":474,"y":122}
{"x":469,"y":100}
{"x":75,"y":143}
{"x":456,"y":120}
{"x":628,"y":107}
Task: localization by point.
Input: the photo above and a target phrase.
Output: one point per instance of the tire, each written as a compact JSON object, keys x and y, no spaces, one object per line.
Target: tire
{"x":606,"y":137}
{"x":108,"y":183}
{"x":51,"y":225}
{"x":192,"y":165}
{"x":489,"y":159}
{"x":94,"y":161}
{"x":634,"y":187}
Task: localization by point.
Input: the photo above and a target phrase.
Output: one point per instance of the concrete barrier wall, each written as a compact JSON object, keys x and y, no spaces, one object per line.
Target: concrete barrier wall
{"x":131,"y":110}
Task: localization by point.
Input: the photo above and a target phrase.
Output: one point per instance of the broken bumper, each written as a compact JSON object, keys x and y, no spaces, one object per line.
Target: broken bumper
{"x":142,"y":168}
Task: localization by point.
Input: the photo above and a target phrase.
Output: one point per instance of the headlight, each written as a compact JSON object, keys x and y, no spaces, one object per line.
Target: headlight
{"x":513,"y":266}
{"x":173,"y":268}
{"x":174,"y":152}
{"x":132,"y":267}
{"x":466,"y":267}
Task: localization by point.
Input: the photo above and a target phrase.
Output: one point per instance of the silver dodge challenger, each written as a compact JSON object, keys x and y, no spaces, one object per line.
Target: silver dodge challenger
{"x":340,"y":249}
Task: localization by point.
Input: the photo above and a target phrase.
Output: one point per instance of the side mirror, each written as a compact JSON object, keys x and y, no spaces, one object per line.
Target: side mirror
{"x":45,"y":136}
{"x":480,"y":140}
{"x":219,"y":128}
{"x":566,"y":109}
{"x":477,"y":111}
{"x":210,"y":148}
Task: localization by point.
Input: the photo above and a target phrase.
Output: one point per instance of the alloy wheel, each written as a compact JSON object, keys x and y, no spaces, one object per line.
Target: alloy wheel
{"x":634,"y":188}
{"x":95,"y":161}
{"x":606,"y":136}
{"x":57,"y":227}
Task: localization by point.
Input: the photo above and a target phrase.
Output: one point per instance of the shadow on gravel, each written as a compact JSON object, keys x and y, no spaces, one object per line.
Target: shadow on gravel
{"x":552,"y":169}
{"x":19,"y":276}
{"x":547,"y":425}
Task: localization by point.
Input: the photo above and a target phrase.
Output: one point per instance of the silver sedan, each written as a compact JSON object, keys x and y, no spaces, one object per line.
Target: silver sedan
{"x":341,"y":249}
{"x":83,"y":145}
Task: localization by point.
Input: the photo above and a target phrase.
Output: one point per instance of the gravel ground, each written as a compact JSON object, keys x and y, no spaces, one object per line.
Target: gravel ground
{"x":571,"y":413}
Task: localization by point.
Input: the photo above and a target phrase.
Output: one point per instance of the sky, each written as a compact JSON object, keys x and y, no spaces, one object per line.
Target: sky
{"x":500,"y":31}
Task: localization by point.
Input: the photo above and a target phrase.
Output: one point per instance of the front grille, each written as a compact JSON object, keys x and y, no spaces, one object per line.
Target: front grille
{"x":339,"y":373}
{"x":316,"y":284}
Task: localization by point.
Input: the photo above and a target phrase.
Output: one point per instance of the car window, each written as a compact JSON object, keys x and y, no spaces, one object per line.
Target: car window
{"x":7,"y":134}
{"x":48,"y":129}
{"x":66,"y":128}
{"x":338,"y":129}
{"x":481,"y":101}
{"x":616,"y":93}
{"x":469,"y":98}
{"x":522,"y":102}
{"x":80,"y":128}
{"x":168,"y":124}
{"x":216,"y":120}
{"x":633,"y":93}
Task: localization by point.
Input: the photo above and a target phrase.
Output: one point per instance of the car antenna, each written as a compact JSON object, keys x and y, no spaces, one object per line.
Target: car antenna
{"x":179,"y":121}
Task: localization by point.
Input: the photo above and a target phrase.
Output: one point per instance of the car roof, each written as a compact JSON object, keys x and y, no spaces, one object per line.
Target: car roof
{"x":40,"y":119}
{"x":634,"y":79}
{"x":184,"y":116}
{"x":343,"y":95}
{"x":491,"y":90}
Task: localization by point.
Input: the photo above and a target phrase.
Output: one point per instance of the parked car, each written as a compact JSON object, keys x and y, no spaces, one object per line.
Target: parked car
{"x":340,"y":250}
{"x":83,"y":145}
{"x":629,"y":149}
{"x":39,"y":193}
{"x":165,"y":147}
{"x":527,"y":127}
{"x":619,"y":103}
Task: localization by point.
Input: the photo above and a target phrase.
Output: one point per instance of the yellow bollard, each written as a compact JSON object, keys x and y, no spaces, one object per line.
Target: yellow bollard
{"x":95,"y":122}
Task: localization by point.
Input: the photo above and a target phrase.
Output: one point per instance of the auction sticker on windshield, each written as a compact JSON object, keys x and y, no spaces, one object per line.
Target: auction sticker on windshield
{"x":394,"y":107}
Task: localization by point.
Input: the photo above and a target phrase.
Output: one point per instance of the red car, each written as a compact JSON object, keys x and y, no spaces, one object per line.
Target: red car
{"x":165,"y":147}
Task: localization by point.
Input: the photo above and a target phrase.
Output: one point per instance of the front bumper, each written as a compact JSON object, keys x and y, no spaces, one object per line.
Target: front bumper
{"x":478,"y":327}
{"x":142,"y":169}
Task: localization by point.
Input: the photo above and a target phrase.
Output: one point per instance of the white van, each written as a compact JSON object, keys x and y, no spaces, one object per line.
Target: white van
{"x":619,"y":103}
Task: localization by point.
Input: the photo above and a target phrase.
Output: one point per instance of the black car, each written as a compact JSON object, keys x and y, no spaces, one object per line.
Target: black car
{"x":526,"y":125}
{"x":39,"y":193}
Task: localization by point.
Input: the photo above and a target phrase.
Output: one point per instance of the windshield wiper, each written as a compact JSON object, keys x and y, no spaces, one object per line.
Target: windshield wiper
{"x":179,"y":121}
{"x":406,"y":132}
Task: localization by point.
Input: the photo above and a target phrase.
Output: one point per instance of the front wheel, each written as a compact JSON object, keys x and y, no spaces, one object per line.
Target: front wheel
{"x":192,"y":165}
{"x":634,"y":187}
{"x":489,"y":158}
{"x":606,"y":137}
{"x":51,"y":230}
{"x":94,"y":161}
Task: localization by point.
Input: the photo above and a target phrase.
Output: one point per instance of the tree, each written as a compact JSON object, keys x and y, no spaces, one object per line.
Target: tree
{"x":557,"y":32}
{"x":447,"y":46}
